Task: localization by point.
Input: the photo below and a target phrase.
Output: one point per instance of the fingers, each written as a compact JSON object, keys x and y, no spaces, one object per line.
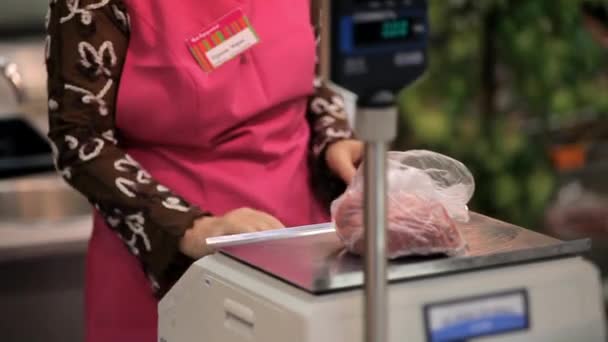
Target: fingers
{"x":238,"y":221}
{"x":343,"y":157}
{"x":346,"y":171}
{"x":269,"y":222}
{"x":356,"y":151}
{"x":246,"y":220}
{"x":258,"y":221}
{"x":340,"y":162}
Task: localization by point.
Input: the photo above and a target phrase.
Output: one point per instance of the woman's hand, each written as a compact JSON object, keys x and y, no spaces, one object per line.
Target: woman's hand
{"x":343,"y":157}
{"x":243,"y":220}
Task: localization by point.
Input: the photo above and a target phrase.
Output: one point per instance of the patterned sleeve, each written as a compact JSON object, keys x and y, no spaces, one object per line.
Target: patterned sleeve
{"x":85,"y":51}
{"x":328,"y":122}
{"x":328,"y":118}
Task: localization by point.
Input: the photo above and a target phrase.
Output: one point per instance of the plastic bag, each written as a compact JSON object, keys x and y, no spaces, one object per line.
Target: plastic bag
{"x":427,"y":193}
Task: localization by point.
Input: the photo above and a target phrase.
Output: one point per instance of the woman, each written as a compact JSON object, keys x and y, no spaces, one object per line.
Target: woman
{"x":172,"y":141}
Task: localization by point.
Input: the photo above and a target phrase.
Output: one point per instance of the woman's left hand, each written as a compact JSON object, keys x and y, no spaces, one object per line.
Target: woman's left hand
{"x":343,"y":157}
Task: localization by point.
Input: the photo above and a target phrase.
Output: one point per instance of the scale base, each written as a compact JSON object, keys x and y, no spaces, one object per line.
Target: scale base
{"x":224,"y":300}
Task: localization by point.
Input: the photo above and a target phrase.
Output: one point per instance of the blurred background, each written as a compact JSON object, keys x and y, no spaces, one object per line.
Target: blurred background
{"x":517,"y":90}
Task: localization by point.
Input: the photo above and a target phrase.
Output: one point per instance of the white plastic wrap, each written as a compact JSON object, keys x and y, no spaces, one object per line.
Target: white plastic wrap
{"x":427,"y":193}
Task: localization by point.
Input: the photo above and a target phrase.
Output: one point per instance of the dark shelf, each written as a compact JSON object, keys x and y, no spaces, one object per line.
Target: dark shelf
{"x":23,"y":150}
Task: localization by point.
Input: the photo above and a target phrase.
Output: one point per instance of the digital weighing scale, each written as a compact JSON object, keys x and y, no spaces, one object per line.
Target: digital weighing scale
{"x":298,"y":285}
{"x":512,"y":285}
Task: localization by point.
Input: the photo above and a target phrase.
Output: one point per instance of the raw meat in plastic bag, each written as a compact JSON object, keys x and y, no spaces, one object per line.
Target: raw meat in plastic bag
{"x":427,"y":193}
{"x":416,"y":226}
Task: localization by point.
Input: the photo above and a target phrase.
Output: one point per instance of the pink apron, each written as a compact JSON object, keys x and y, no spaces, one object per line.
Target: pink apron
{"x":233,"y":138}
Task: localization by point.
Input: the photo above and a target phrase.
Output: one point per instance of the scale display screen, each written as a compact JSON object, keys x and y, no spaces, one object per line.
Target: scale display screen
{"x":377,"y":45}
{"x":385,"y":31}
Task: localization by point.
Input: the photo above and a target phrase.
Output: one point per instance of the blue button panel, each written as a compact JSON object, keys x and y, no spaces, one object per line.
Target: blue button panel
{"x":463,"y":319}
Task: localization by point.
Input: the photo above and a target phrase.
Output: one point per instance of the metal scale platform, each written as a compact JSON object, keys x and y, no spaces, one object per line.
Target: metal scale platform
{"x":512,"y":284}
{"x":318,"y":263}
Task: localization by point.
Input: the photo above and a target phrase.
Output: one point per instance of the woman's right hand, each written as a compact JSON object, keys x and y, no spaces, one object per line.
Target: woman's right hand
{"x":243,"y":220}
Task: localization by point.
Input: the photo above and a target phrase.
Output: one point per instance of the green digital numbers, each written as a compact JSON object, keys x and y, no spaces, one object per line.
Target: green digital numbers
{"x":395,"y":29}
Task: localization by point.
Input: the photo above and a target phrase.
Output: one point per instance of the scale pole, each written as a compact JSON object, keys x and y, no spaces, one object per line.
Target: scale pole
{"x":376,"y":127}
{"x":375,"y":236}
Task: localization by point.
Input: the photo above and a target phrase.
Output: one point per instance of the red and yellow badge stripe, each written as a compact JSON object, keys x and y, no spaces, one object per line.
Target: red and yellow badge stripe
{"x":200,"y":57}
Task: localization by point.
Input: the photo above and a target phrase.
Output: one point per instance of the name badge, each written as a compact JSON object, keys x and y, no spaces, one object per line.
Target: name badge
{"x":227,"y":38}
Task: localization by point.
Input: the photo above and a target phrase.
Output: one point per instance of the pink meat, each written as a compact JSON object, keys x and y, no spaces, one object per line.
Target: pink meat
{"x":416,"y":226}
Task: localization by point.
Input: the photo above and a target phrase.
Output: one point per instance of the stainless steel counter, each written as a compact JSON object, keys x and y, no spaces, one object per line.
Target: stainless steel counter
{"x":318,"y":264}
{"x":40,"y":216}
{"x":44,"y":225}
{"x":26,"y":240}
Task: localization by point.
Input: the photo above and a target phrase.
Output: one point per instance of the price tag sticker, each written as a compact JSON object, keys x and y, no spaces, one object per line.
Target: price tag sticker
{"x":224,"y":40}
{"x":461,"y":320}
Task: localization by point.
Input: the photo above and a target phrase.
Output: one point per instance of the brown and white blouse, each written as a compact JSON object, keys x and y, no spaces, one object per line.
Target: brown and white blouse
{"x":86,"y":47}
